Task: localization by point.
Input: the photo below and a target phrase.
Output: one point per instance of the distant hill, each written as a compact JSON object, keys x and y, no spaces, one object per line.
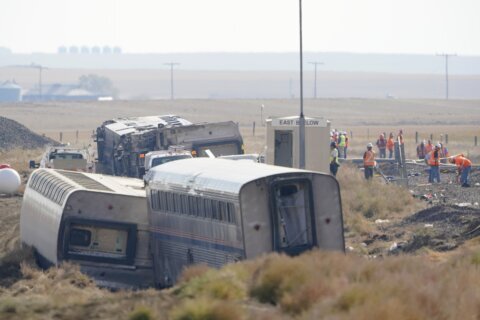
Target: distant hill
{"x":288,"y":61}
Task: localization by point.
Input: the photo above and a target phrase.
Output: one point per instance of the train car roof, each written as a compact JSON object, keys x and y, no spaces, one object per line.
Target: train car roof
{"x":214,"y":174}
{"x":138,"y":124}
{"x":96,"y":182}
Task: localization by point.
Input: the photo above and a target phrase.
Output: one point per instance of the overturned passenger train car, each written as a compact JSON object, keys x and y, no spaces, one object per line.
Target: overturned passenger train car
{"x":99,"y":222}
{"x":216,"y":211}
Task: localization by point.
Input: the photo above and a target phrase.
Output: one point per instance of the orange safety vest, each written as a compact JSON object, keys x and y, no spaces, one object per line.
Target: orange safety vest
{"x":390,"y":144}
{"x":432,"y":160}
{"x":369,"y":158}
{"x":462,"y":162}
{"x":429,"y":147}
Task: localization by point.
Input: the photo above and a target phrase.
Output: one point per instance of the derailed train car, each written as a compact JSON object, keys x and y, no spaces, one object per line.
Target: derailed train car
{"x":99,"y":222}
{"x":216,"y":211}
{"x":123,"y":142}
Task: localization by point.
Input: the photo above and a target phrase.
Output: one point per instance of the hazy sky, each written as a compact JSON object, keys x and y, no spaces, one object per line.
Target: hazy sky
{"x":383,"y":26}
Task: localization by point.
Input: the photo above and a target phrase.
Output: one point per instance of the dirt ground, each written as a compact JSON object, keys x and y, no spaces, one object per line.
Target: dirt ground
{"x":451,"y":218}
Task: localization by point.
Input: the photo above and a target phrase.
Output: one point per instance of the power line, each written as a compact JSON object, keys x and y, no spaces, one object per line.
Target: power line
{"x":446,"y":56}
{"x":316,"y":63}
{"x":171,"y":64}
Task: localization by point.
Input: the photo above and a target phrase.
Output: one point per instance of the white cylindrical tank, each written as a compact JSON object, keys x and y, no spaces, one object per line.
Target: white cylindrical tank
{"x":9,"y":180}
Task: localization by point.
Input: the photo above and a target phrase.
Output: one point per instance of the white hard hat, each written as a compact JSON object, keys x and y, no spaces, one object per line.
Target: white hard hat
{"x":438,"y":145}
{"x":369,"y":145}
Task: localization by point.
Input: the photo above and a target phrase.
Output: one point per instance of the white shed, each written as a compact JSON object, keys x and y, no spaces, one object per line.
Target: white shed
{"x":283,"y":143}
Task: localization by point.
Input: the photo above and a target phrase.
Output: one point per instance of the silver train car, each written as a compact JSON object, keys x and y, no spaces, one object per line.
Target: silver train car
{"x":217,"y":211}
{"x":99,"y":222}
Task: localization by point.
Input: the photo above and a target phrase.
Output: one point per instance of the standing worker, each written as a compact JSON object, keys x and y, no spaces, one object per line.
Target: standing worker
{"x":382,"y":146}
{"x":346,"y":145}
{"x":433,"y":160}
{"x":341,"y":144}
{"x":443,"y":153}
{"x":429,"y":146}
{"x":369,"y":161}
{"x":421,"y":150}
{"x":334,"y":159}
{"x":464,"y":166}
{"x":400,"y":136}
{"x":390,"y":145}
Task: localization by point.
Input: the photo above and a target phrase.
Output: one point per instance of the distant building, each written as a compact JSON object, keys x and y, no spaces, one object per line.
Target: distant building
{"x":85,"y":50}
{"x":62,"y":50}
{"x":106,"y":50}
{"x":10,"y":92}
{"x":60,"y":92}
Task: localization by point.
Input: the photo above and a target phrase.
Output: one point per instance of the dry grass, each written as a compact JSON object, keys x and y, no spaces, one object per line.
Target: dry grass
{"x":365,"y":201}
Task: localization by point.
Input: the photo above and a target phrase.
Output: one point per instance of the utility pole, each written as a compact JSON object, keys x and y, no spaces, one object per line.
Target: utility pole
{"x":171,"y":64}
{"x":446,"y":56}
{"x":40,"y":70}
{"x":316,"y":63}
{"x":302,"y":117}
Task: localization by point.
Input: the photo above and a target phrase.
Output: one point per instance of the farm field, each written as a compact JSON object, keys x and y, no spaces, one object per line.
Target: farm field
{"x":393,"y":269}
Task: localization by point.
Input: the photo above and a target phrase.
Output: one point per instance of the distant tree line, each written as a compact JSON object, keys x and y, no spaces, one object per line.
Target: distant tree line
{"x":97,"y":84}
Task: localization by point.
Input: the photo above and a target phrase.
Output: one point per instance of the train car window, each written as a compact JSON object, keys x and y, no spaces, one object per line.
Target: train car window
{"x":34,"y":180}
{"x":80,"y":237}
{"x":294,"y":215}
{"x":170,"y":202}
{"x":223,"y":210}
{"x":231,"y":213}
{"x":98,"y":241}
{"x":163,"y":201}
{"x":184,"y":204}
{"x":215,"y":212}
{"x":207,"y":204}
{"x":178,"y":203}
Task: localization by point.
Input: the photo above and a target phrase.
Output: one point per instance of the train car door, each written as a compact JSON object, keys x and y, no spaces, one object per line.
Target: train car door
{"x":293,"y":217}
{"x":283,"y":148}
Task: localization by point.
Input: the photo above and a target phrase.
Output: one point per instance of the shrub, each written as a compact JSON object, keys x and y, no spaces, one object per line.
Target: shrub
{"x":141,"y":313}
{"x":206,"y":309}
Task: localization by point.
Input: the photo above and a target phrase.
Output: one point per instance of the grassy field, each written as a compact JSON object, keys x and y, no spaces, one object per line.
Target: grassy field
{"x":364,"y":118}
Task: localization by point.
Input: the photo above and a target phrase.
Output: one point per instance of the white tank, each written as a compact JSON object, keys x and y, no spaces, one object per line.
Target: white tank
{"x":9,"y":180}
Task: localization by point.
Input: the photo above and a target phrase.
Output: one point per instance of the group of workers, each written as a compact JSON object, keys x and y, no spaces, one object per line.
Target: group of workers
{"x":384,"y":144}
{"x":433,"y":155}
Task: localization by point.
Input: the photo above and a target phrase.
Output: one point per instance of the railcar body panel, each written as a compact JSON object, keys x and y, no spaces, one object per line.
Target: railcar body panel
{"x":99,"y":222}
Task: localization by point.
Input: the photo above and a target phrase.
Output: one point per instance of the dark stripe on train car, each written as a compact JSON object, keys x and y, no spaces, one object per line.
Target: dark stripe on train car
{"x":200,"y":243}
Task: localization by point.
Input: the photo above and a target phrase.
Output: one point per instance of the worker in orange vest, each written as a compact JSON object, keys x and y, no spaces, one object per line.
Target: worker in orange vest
{"x":369,"y":161}
{"x":433,"y":160}
{"x":464,"y":166}
{"x":429,"y":146}
{"x":390,"y":145}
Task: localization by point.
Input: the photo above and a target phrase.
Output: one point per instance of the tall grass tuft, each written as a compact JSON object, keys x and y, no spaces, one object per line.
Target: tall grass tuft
{"x":141,"y":313}
{"x":206,"y":309}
